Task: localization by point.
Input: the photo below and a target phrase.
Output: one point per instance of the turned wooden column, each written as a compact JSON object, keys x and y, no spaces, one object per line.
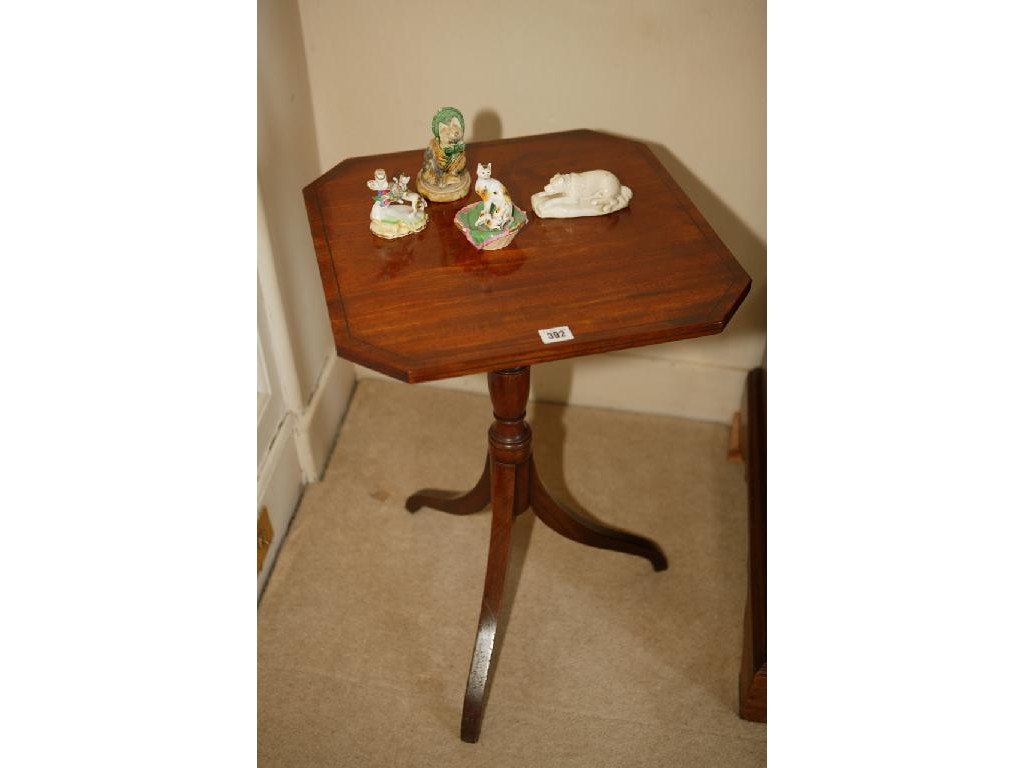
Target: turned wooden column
{"x":510,"y":437}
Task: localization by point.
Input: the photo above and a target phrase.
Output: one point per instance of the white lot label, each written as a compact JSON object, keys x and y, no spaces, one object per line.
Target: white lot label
{"x":554,"y":335}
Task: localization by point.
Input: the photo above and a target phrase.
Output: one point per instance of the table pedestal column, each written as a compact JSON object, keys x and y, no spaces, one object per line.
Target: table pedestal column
{"x":511,"y":484}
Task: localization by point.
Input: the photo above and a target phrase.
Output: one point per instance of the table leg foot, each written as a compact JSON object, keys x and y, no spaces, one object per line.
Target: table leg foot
{"x":454,"y":503}
{"x":504,"y":487}
{"x":587,"y":531}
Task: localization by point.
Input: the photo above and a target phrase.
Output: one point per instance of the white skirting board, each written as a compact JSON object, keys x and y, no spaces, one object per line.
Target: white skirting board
{"x":626,"y":382}
{"x":299,"y":451}
{"x":278,"y":488}
{"x":322,"y":416}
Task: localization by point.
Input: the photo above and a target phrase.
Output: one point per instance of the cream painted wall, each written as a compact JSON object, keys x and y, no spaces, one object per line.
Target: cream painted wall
{"x":685,"y":76}
{"x":312,"y":380}
{"x":287,"y":160}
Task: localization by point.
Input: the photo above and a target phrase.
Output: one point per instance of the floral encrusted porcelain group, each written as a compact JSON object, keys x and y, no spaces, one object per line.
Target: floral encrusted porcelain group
{"x":389,"y":217}
{"x":493,"y":222}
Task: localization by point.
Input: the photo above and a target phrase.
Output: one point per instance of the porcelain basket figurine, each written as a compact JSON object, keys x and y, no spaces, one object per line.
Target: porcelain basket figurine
{"x":494,"y":221}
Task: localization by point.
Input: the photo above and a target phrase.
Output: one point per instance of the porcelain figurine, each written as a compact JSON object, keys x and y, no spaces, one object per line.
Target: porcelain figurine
{"x":591,"y":193}
{"x":498,"y":206}
{"x":443,"y":177}
{"x":494,"y":221}
{"x":388,"y":217}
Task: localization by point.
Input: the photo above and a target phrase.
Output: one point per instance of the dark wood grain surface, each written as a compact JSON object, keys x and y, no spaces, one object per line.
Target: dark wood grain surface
{"x":430,"y":306}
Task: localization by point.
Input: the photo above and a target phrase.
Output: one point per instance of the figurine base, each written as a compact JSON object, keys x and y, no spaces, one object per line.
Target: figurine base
{"x":390,"y":230}
{"x":548,"y":206}
{"x":488,"y":239}
{"x":443,"y":194}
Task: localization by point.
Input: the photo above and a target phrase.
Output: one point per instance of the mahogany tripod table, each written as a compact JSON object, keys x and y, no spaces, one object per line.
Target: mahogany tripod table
{"x":430,"y":306}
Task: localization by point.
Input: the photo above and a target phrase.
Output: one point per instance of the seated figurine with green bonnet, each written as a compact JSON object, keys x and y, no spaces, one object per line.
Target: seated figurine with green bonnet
{"x":443,"y":177}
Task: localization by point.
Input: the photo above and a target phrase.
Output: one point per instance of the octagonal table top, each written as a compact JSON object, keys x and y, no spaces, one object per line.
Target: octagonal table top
{"x":431,"y":306}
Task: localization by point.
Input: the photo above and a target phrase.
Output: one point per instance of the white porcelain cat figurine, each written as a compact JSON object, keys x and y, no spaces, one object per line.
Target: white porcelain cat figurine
{"x":400,"y":191}
{"x":497,"y":210}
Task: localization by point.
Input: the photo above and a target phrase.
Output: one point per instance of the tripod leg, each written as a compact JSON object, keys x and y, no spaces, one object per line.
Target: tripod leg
{"x":587,"y":531}
{"x":452,"y":502}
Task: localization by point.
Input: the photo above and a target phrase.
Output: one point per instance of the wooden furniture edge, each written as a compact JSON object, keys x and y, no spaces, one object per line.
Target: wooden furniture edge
{"x":753,"y":681}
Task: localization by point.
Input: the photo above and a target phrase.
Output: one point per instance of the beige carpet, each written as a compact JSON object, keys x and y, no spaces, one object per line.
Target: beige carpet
{"x":367,"y":624}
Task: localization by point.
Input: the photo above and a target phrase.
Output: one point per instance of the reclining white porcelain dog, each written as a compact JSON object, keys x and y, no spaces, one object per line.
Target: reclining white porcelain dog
{"x":591,"y":193}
